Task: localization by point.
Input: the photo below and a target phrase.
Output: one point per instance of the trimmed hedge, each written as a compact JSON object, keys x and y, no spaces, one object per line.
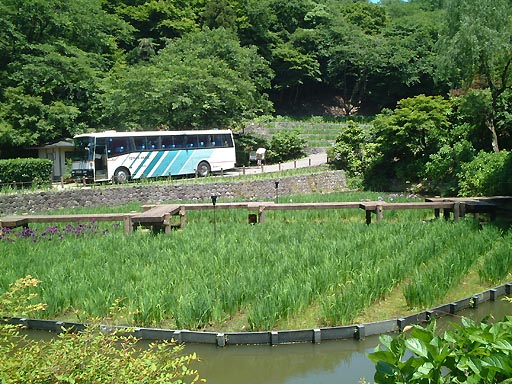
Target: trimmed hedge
{"x":35,"y":171}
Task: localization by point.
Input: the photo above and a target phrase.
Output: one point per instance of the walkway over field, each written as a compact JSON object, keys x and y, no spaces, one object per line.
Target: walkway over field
{"x":159,"y":217}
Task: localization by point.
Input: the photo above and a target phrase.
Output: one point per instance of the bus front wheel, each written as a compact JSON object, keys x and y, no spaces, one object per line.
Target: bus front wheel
{"x":121,"y":175}
{"x":203,"y":169}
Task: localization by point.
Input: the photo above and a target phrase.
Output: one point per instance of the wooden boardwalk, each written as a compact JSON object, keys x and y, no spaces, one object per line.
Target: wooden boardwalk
{"x":159,"y":217}
{"x":24,"y":220}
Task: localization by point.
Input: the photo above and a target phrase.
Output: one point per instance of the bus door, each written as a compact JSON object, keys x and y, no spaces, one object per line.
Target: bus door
{"x":100,"y":159}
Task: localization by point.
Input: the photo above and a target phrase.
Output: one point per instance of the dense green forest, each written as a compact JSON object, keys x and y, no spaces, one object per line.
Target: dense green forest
{"x":68,"y":66}
{"x":72,"y":65}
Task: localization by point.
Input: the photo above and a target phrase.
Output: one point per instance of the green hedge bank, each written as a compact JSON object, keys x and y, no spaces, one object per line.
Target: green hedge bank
{"x":25,"y":171}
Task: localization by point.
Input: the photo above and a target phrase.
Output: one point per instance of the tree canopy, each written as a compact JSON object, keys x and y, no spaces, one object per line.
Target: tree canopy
{"x":476,"y":51}
{"x":74,"y":65}
{"x":205,"y":79}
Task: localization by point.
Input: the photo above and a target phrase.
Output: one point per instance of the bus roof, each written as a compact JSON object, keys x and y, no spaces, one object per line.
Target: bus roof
{"x":152,"y":133}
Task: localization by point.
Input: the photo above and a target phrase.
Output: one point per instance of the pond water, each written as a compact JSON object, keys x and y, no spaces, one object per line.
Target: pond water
{"x":329,"y":362}
{"x":342,"y":361}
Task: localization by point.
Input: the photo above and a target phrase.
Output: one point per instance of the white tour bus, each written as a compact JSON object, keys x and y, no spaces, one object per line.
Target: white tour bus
{"x":121,"y":156}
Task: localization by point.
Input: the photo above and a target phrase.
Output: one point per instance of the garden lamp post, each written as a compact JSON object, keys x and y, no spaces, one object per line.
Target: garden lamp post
{"x":277,"y":190}
{"x":214,"y":202}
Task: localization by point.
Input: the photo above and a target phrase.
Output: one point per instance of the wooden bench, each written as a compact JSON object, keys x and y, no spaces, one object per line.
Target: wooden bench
{"x":157,"y":217}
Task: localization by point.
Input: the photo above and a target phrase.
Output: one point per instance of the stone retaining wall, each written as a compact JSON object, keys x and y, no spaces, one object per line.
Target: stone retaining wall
{"x":174,"y":191}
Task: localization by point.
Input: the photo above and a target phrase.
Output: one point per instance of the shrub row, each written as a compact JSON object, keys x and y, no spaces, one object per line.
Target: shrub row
{"x":35,"y":171}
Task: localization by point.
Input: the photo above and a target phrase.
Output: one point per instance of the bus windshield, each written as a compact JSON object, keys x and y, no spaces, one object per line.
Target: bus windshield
{"x":84,"y":149}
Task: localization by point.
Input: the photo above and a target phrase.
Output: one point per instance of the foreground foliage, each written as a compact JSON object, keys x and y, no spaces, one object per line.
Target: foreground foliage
{"x":470,"y":353}
{"x":95,"y":355}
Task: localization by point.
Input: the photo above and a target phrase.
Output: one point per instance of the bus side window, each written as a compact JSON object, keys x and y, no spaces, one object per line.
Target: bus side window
{"x":228,"y":142}
{"x":222,"y":140}
{"x":166,"y":142}
{"x":179,"y":141}
{"x":117,"y":146}
{"x":191,"y":141}
{"x":153,"y":142}
{"x":140,"y":143}
{"x":203,"y":140}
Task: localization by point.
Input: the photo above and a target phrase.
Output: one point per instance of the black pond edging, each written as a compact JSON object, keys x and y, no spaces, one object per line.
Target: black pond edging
{"x":317,"y":335}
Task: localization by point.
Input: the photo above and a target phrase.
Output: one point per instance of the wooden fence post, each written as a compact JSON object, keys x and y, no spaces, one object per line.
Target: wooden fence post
{"x":379,"y":212}
{"x":183,"y":219}
{"x":456,"y":211}
{"x":128,"y":225}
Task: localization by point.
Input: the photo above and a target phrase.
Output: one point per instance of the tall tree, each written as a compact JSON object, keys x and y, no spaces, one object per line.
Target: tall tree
{"x":158,"y":20}
{"x":55,"y":53}
{"x":205,"y":79}
{"x":476,"y":50}
{"x":350,"y":58}
{"x":407,"y":61}
{"x":374,"y":55}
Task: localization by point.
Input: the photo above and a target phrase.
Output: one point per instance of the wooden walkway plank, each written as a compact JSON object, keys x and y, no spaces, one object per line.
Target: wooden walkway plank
{"x":24,"y":220}
{"x":305,"y":206}
{"x":371,"y":205}
{"x":156,"y":213}
{"x":203,"y":206}
{"x":13,"y":221}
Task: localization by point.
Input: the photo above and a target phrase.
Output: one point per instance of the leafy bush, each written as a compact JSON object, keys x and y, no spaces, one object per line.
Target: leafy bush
{"x":353,"y":150}
{"x":95,"y":355}
{"x":37,"y":171}
{"x":443,"y":168}
{"x":470,"y":353}
{"x":407,"y":136}
{"x":487,"y":174}
{"x":285,"y":145}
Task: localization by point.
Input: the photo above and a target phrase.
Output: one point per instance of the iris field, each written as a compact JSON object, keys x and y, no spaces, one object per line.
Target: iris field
{"x":327,"y":265}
